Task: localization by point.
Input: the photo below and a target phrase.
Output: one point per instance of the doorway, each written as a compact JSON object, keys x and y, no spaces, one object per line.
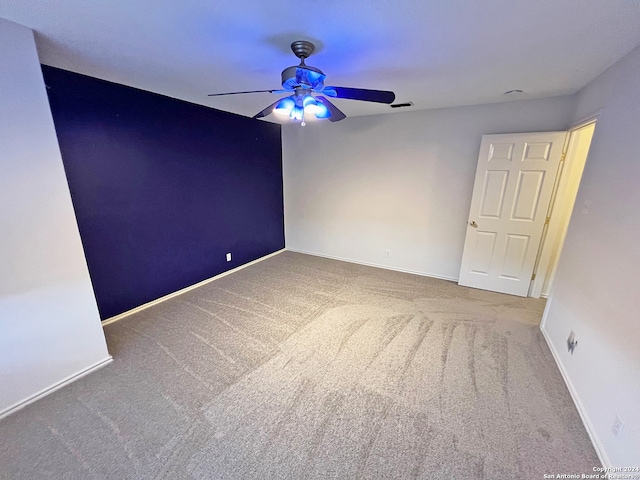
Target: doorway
{"x":561,"y":207}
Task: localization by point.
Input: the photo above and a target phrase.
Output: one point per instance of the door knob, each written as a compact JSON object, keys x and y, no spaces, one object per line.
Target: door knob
{"x":473,"y":224}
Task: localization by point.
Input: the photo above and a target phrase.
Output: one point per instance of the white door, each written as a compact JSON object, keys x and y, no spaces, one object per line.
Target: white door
{"x":511,"y":194}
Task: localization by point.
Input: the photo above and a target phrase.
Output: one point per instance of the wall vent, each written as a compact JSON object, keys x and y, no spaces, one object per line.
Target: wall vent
{"x":401,"y":105}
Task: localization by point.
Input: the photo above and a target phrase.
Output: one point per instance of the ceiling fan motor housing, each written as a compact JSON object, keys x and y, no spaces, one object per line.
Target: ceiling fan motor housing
{"x":302,"y":76}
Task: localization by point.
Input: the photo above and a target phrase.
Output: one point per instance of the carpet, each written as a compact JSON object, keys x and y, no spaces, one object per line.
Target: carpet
{"x":301,"y":367}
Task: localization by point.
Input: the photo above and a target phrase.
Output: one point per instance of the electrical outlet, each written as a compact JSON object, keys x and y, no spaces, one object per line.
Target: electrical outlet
{"x":617,"y":427}
{"x":387,"y":253}
{"x":571,"y":342}
{"x":228,"y":257}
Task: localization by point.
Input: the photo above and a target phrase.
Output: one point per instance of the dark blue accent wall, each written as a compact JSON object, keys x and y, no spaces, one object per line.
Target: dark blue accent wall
{"x":163,"y":189}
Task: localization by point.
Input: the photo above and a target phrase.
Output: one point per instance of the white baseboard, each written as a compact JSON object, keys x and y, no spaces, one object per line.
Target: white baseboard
{"x":386,"y":267}
{"x":597,"y":445}
{"x":56,"y":386}
{"x":184,"y":290}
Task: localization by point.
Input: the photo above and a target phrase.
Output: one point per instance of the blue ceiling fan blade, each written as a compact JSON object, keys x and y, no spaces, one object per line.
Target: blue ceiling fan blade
{"x":330,"y":92}
{"x":363,"y":94}
{"x":336,"y":113}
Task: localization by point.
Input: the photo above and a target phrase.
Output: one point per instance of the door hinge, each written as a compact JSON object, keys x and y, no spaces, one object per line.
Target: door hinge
{"x":563,"y":157}
{"x":533,"y":276}
{"x":547,"y":220}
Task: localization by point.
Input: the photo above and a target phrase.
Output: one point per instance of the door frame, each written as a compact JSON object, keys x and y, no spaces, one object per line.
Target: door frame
{"x":546,"y":261}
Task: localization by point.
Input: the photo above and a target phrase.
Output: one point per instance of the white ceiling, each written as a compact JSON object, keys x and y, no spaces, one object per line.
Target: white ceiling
{"x":435,"y":53}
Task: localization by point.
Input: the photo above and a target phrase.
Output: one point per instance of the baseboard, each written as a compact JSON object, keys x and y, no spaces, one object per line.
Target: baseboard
{"x":597,"y":445}
{"x":56,"y":386}
{"x":386,"y":267}
{"x":185,"y":290}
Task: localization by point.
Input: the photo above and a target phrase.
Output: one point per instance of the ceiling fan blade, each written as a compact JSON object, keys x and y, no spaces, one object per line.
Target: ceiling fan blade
{"x":250,"y":91}
{"x":363,"y":94}
{"x":336,"y":114}
{"x":267,"y":110}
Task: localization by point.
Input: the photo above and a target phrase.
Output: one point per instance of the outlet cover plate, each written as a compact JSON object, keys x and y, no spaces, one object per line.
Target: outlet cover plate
{"x":617,"y":427}
{"x":571,"y":342}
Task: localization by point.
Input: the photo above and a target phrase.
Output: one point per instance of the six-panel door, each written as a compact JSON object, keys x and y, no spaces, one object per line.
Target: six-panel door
{"x":511,"y":194}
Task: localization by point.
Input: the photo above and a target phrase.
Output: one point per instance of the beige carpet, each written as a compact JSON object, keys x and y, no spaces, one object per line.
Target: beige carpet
{"x":301,"y":367}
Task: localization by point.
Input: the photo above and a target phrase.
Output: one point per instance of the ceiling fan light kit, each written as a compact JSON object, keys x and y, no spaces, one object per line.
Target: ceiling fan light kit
{"x":299,"y":104}
{"x":306,"y":82}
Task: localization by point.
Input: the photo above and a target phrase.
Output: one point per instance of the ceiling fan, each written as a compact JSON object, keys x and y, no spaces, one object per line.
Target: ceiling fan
{"x":306,"y":83}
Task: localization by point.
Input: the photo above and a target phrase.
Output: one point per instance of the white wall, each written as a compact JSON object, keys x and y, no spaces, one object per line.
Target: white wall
{"x":596,"y":291}
{"x":49,"y":324}
{"x":399,"y":182}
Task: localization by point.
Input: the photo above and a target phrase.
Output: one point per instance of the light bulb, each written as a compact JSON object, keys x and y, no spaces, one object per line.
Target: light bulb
{"x":297,"y":113}
{"x":285,"y":106}
{"x":321,"y":111}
